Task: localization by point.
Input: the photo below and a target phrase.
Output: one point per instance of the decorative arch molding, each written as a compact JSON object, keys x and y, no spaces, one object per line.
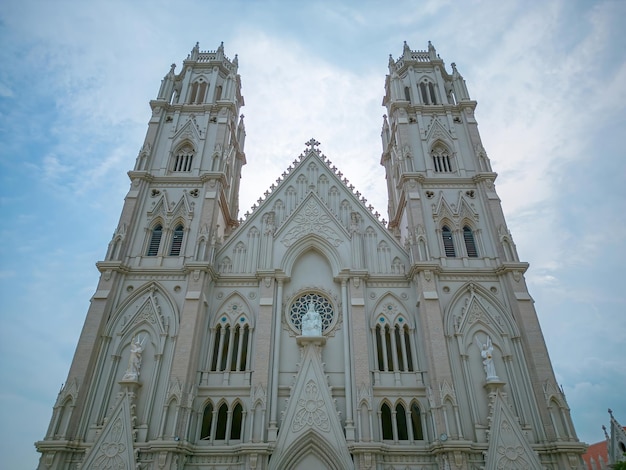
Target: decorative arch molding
{"x":233,"y":307}
{"x":391,"y":308}
{"x":479,"y":305}
{"x":317,"y":244}
{"x":456,"y":214}
{"x":148,"y":310}
{"x":310,"y":448}
{"x":189,"y":132}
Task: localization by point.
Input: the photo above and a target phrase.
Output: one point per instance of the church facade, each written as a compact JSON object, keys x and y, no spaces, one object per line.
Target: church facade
{"x":311,"y":334}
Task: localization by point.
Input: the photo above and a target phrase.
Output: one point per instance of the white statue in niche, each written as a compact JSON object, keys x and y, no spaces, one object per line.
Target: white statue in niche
{"x":134,"y":361}
{"x":311,"y":322}
{"x":486,"y":352}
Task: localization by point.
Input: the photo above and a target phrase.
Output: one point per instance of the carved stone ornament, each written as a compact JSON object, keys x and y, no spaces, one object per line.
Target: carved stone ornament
{"x":310,"y":410}
{"x":312,"y":219}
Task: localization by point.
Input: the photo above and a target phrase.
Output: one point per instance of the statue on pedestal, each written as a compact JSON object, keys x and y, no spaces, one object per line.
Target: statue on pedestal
{"x":311,"y":322}
{"x":486,"y":352}
{"x":134,"y":361}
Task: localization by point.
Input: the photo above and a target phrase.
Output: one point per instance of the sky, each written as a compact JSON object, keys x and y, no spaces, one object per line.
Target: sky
{"x":76,"y":78}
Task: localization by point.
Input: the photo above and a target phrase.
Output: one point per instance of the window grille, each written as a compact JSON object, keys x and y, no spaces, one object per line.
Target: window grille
{"x":177,"y":241}
{"x":448,"y":242}
{"x":182,"y":162}
{"x":155,"y":240}
{"x":470,"y":244}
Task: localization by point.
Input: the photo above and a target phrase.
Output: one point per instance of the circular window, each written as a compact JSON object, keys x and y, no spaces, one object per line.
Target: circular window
{"x":322,"y":306}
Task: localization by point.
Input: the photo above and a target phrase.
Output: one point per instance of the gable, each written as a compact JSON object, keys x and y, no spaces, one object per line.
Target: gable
{"x":313,"y":205}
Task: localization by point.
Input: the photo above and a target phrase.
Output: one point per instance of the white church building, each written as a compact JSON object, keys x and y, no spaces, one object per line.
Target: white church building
{"x":311,"y":334}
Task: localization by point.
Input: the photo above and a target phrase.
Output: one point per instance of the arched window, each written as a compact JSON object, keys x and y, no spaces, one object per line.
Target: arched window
{"x":198,"y":92}
{"x":230,"y":347}
{"x":177,"y":240}
{"x":416,"y":422}
{"x":428,"y":92}
{"x":433,"y":96}
{"x":222,"y":418}
{"x":441,"y":159}
{"x":385,"y":421}
{"x":470,"y":245}
{"x":207,"y":420}
{"x":407,"y":94}
{"x":183,"y":159}
{"x":448,"y":242}
{"x":388,"y":346}
{"x":155,"y":240}
{"x":403,"y":432}
{"x":393,"y":348}
{"x":235,"y":428}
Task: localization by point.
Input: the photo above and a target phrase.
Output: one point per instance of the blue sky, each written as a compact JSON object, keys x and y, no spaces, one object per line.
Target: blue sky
{"x":76,"y":78}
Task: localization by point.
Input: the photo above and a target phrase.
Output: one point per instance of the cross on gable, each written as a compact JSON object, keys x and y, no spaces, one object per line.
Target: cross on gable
{"x":312,"y":143}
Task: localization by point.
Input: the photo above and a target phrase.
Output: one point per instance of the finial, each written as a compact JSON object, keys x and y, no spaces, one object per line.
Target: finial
{"x":236,"y":60}
{"x":312,"y":143}
{"x":407,"y":49}
{"x":391,"y":62}
{"x":172,"y":67}
{"x":221,"y":48}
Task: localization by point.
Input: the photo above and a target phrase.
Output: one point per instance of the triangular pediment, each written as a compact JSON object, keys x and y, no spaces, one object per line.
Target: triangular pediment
{"x":312,"y":217}
{"x":190,"y":131}
{"x":508,"y":448}
{"x":114,"y":446}
{"x":311,"y":429}
{"x":312,"y":199}
{"x":437,"y":131}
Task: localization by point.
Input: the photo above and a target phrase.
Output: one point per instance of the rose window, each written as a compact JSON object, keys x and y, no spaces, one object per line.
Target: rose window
{"x":301,"y":305}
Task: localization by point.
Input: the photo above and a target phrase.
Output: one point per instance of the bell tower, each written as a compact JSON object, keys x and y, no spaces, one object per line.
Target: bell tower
{"x":139,"y":343}
{"x":472,"y":299}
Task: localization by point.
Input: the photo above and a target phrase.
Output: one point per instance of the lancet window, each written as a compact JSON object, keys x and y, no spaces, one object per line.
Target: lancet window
{"x":448,"y":242}
{"x":230,"y":346}
{"x":441,"y":159}
{"x":155,"y":240}
{"x":183,"y":158}
{"x":198,"y":91}
{"x":470,"y":244}
{"x":428,"y":92}
{"x":177,"y":240}
{"x":219,"y":423}
{"x":398,"y":424}
{"x":394,"y":348}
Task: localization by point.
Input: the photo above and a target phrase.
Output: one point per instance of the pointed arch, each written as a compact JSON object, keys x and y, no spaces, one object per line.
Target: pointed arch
{"x":470,"y":242}
{"x":307,"y":243}
{"x":492,"y":313}
{"x":441,"y":157}
{"x":222,"y":421}
{"x":386,"y":423}
{"x":182,"y":157}
{"x":207,"y":421}
{"x":236,"y":424}
{"x":447,"y":239}
{"x":417,"y":421}
{"x":156,"y":234}
{"x":177,"y":239}
{"x":311,"y":451}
